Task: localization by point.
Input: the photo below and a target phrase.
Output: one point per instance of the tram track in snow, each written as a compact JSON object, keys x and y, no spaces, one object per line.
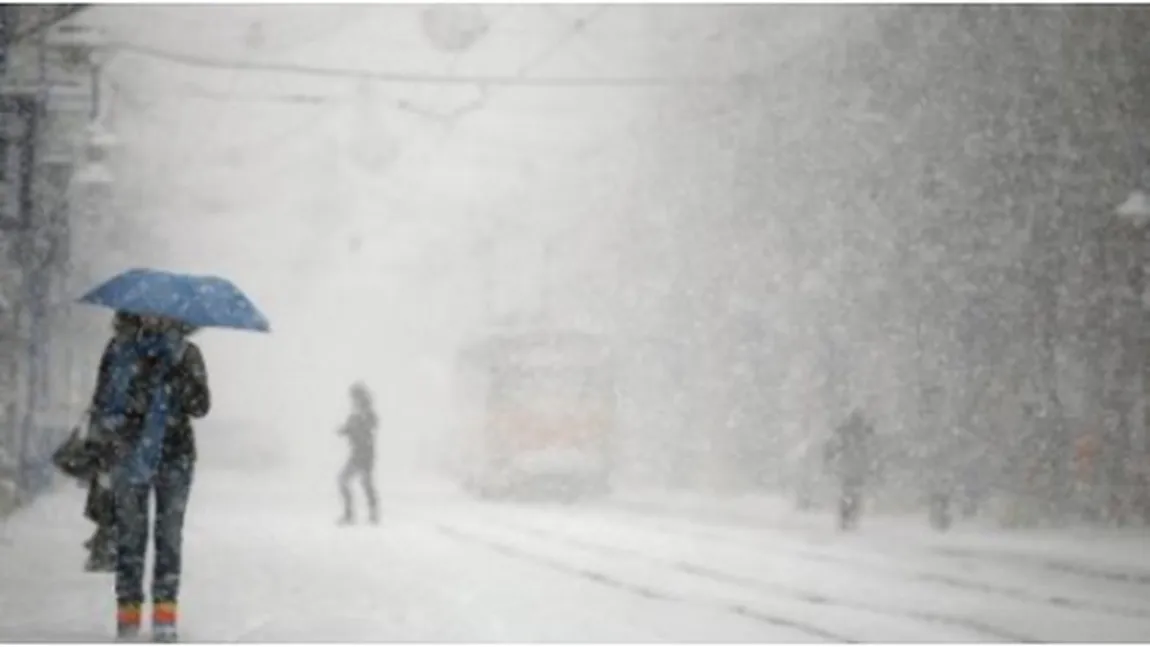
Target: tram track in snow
{"x":675,"y":525}
{"x":511,"y":551}
{"x":762,"y":586}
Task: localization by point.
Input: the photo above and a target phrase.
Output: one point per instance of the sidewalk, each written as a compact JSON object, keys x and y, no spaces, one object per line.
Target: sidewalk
{"x":44,"y":592}
{"x":234,"y":535}
{"x":1112,"y":553}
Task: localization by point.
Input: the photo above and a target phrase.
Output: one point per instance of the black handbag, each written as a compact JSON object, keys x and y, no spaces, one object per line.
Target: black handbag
{"x":81,"y":456}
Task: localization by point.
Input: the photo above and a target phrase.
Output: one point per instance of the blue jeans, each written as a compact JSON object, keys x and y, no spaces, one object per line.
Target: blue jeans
{"x":172,"y":485}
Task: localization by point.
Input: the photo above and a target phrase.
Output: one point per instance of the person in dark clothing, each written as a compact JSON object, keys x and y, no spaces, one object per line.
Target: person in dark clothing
{"x":359,"y":429}
{"x":848,"y":456}
{"x":99,"y":507}
{"x":151,"y":385}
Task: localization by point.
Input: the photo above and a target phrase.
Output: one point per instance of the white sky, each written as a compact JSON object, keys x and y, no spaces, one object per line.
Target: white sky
{"x":276,"y":195}
{"x":272,"y":196}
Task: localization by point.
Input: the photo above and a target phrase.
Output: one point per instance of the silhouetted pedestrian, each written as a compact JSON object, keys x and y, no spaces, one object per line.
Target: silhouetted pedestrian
{"x":359,"y":429}
{"x":848,"y":456}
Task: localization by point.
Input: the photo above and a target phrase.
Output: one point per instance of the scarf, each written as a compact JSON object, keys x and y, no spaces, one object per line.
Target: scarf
{"x":142,"y":461}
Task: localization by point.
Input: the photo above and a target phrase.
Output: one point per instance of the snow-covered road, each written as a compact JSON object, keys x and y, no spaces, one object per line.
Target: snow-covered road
{"x":268,"y":564}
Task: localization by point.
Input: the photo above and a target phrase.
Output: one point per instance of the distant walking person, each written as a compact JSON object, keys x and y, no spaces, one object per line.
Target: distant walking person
{"x":360,"y":432}
{"x":848,"y":456}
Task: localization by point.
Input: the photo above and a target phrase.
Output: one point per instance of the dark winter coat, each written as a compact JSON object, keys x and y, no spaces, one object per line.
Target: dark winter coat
{"x":188,"y":382}
{"x":360,"y":432}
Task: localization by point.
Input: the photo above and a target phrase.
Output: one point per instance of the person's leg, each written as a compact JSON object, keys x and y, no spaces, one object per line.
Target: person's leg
{"x":345,"y":476}
{"x":131,"y":547}
{"x":173,"y":486}
{"x":367,"y":476}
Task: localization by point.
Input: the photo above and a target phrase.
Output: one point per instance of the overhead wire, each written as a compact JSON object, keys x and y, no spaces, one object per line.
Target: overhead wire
{"x":578,"y":26}
{"x":231,"y":94}
{"x":319,"y":111}
{"x":424,"y":78}
{"x":174,"y":167}
{"x":449,"y":120}
{"x":196,"y":93}
{"x":189,"y":91}
{"x":321,"y":33}
{"x":325,"y":103}
{"x":536,"y":61}
{"x":564,"y":18}
{"x":520,"y":78}
{"x":453,"y":66}
{"x":479,"y":101}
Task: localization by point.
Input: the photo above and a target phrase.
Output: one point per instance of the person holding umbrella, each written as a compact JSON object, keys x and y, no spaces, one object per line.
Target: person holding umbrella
{"x":152,"y":385}
{"x":155,"y":383}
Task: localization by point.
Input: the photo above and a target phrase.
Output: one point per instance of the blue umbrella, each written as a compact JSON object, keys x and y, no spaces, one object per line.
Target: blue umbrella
{"x":200,"y":301}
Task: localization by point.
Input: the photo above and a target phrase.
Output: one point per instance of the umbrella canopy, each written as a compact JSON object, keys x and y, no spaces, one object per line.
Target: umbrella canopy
{"x":200,"y":301}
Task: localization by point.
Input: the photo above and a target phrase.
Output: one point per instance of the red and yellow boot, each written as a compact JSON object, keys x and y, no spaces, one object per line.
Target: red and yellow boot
{"x":164,"y":616}
{"x":128,"y":619}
